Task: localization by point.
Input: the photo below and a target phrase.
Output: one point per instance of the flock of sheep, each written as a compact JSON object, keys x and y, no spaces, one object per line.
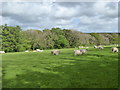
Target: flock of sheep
{"x":76,"y":52}
{"x":83,"y":51}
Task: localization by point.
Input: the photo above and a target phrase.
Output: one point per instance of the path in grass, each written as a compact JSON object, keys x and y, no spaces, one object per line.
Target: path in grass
{"x":96,"y":69}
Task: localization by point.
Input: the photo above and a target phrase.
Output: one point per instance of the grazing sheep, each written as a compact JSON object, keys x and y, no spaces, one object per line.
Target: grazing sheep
{"x":77,"y":52}
{"x":86,"y":47}
{"x":116,"y":45}
{"x":41,"y":50}
{"x":55,"y":52}
{"x":80,"y":47}
{"x":95,"y":46}
{"x":100,"y":47}
{"x":27,"y":51}
{"x":38,"y":50}
{"x":83,"y":51}
{"x":114,"y":49}
{"x":1,"y":52}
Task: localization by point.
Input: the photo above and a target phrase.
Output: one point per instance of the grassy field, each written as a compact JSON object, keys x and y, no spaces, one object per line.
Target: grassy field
{"x":96,"y":69}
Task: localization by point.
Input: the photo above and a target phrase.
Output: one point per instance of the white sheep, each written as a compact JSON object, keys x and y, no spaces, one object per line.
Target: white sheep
{"x":100,"y":47}
{"x":27,"y":51}
{"x":114,"y":49}
{"x":1,"y":52}
{"x":77,"y":52}
{"x":55,"y":52}
{"x":83,"y":51}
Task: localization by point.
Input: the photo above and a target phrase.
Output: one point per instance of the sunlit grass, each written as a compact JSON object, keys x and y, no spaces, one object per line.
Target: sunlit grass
{"x":96,"y":69}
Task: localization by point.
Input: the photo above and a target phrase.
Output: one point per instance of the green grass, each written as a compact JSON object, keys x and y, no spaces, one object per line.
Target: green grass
{"x":96,"y":69}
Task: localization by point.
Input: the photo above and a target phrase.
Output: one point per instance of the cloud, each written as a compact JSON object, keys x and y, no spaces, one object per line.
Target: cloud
{"x":83,"y":16}
{"x":96,"y":24}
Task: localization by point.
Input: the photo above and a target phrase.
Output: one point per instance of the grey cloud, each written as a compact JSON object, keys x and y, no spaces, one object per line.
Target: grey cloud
{"x":74,"y":15}
{"x":112,"y":5}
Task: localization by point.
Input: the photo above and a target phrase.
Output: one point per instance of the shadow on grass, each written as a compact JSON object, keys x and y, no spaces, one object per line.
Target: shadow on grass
{"x":72,"y":59}
{"x":79,"y":75}
{"x":33,"y":79}
{"x":91,"y":75}
{"x":96,"y":55}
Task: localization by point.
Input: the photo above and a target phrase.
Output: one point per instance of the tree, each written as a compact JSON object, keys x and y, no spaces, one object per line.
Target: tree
{"x":61,"y":41}
{"x":15,"y":40}
{"x":12,"y":39}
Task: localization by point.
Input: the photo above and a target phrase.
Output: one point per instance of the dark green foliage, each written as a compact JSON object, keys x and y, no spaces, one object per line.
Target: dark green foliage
{"x":12,"y":39}
{"x":72,"y":37}
{"x":15,"y":40}
{"x":61,"y":41}
{"x":35,"y":39}
{"x":0,"y":37}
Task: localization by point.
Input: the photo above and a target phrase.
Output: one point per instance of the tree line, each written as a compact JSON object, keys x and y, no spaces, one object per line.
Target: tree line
{"x":14,"y":39}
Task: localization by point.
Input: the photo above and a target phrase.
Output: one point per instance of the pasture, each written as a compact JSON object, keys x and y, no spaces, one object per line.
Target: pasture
{"x":96,"y":69}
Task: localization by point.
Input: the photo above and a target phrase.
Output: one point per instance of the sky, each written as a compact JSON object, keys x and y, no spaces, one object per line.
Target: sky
{"x":82,"y":16}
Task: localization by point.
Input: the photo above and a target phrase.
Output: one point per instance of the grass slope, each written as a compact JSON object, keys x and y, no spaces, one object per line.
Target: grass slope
{"x":96,"y":69}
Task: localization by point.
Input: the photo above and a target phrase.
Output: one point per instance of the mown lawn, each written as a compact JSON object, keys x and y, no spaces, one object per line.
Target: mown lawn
{"x":96,"y":69}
